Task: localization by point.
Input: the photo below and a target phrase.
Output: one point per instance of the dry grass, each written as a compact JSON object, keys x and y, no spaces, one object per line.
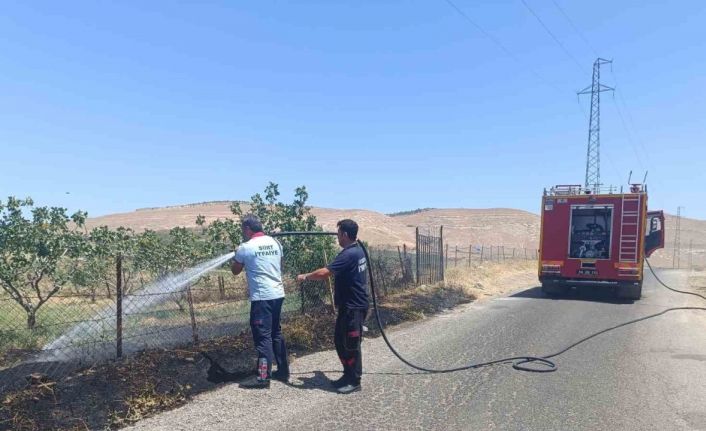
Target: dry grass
{"x":114,"y":395}
{"x":492,"y":279}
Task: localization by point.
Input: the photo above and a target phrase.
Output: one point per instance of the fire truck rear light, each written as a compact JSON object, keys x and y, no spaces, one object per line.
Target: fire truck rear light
{"x":628,"y":271}
{"x":551,"y":267}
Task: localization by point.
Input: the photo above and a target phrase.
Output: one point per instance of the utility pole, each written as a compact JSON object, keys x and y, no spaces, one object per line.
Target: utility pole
{"x":593,"y":152}
{"x":677,"y":240}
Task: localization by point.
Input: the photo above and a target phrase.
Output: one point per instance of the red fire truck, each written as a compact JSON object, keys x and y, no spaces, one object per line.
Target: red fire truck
{"x":597,"y":238}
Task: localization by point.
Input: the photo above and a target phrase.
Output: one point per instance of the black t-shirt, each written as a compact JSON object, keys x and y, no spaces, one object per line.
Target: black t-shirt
{"x":351,"y":279}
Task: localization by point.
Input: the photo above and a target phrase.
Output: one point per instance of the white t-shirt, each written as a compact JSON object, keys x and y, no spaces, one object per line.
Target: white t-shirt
{"x":262,"y":256}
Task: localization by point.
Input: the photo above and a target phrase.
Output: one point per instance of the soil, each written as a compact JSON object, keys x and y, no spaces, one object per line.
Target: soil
{"x":117,"y":394}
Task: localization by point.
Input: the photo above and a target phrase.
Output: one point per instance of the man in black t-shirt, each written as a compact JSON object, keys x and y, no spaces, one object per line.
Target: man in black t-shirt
{"x":349,"y":269}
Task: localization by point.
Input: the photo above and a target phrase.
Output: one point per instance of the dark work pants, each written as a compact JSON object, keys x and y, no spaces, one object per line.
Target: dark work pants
{"x":267,"y":333}
{"x":348,"y":336}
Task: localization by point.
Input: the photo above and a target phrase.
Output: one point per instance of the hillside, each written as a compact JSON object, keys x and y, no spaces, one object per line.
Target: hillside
{"x":461,"y":226}
{"x":496,"y":226}
{"x":692,"y":231}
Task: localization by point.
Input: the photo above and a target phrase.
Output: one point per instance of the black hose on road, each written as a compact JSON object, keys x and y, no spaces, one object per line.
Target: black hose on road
{"x":671,"y":288}
{"x":518,"y":362}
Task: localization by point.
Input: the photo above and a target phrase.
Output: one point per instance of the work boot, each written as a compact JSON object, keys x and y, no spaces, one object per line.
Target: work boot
{"x":282,"y":376}
{"x":340,"y":382}
{"x":255,"y":383}
{"x":349,"y":388}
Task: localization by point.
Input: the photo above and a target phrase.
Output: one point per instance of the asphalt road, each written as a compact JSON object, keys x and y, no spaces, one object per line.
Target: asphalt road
{"x":650,"y":375}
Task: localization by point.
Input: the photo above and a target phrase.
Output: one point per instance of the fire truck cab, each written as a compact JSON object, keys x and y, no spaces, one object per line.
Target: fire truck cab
{"x":597,"y":238}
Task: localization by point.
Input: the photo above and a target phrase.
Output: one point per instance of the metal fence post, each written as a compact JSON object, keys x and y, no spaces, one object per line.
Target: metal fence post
{"x":482,"y":249}
{"x":221,"y":288}
{"x":446,"y":258}
{"x":407,"y":264}
{"x":399,"y":252}
{"x":190,"y":300}
{"x":328,"y":282}
{"x":441,"y":253}
{"x":456,"y":256}
{"x":417,"y":250}
{"x":119,"y":306}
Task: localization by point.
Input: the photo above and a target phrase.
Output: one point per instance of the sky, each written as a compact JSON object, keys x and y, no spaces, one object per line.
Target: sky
{"x":384,"y":105}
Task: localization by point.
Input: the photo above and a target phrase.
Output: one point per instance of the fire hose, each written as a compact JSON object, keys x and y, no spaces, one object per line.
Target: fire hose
{"x":520,"y":363}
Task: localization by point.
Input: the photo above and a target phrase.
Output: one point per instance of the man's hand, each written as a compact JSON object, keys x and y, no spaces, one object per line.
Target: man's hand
{"x":319,"y":274}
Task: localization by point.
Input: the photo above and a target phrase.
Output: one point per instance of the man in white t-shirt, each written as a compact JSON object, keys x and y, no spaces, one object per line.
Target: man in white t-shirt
{"x":261,"y":257}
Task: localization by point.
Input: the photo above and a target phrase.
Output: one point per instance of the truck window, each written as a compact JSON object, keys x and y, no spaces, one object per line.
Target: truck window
{"x":654,"y":232}
{"x":589,"y":237}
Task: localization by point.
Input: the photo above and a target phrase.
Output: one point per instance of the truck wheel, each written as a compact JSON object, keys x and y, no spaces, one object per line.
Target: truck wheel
{"x":552,"y":289}
{"x":630,"y":291}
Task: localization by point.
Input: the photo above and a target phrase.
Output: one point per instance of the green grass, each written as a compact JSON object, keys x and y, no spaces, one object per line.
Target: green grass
{"x":53,"y":318}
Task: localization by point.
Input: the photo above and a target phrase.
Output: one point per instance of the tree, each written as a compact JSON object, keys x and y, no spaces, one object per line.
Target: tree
{"x":301,"y":253}
{"x":150,"y":251}
{"x":37,"y":254}
{"x":98,"y":263}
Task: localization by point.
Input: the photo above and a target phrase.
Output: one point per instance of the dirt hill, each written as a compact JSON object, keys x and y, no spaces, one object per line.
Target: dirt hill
{"x":496,"y":226}
{"x":693,"y":232}
{"x":379,"y":228}
{"x":461,"y":226}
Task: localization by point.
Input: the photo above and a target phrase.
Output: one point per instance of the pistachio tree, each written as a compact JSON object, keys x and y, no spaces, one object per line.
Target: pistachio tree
{"x":39,"y":247}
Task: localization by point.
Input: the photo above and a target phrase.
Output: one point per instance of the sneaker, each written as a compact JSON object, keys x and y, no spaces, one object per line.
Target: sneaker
{"x":340,"y":382}
{"x":349,"y":388}
{"x":255,"y":383}
{"x":282,"y":377}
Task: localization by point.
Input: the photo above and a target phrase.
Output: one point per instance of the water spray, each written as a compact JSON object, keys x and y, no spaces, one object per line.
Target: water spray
{"x":159,"y":291}
{"x":152,"y":295}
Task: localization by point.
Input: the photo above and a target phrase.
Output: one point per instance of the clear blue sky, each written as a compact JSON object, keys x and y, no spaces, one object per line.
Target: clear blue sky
{"x":386,"y":105}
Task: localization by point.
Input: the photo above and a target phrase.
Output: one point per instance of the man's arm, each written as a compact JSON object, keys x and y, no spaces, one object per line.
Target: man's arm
{"x":236,"y":267}
{"x":319,"y":274}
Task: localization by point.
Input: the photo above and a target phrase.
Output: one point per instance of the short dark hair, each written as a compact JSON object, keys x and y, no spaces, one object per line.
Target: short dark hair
{"x":349,"y":227}
{"x":252,"y":222}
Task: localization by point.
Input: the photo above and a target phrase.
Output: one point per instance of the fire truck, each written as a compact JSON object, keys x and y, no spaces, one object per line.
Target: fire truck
{"x":598,"y":238}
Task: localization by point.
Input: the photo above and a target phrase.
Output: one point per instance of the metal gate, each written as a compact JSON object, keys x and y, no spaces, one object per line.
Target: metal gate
{"x":430,"y":256}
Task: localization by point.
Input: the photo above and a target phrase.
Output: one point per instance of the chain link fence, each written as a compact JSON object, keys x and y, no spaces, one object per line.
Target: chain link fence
{"x":132,"y":311}
{"x":79,"y":327}
{"x":476,"y":254}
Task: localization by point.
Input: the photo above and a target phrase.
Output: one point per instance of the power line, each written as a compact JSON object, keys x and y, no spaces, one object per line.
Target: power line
{"x":620,"y":96}
{"x":508,"y":52}
{"x":630,"y":118}
{"x":610,"y":160}
{"x":502,"y":47}
{"x":627,"y":133}
{"x":593,"y":153}
{"x":566,"y":16}
{"x":561,"y":45}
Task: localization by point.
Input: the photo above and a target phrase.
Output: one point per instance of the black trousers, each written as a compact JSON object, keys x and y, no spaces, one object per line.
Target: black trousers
{"x":267,"y":333}
{"x":348,"y":337}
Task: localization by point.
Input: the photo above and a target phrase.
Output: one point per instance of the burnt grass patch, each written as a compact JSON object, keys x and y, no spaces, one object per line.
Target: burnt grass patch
{"x":116,"y":394}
